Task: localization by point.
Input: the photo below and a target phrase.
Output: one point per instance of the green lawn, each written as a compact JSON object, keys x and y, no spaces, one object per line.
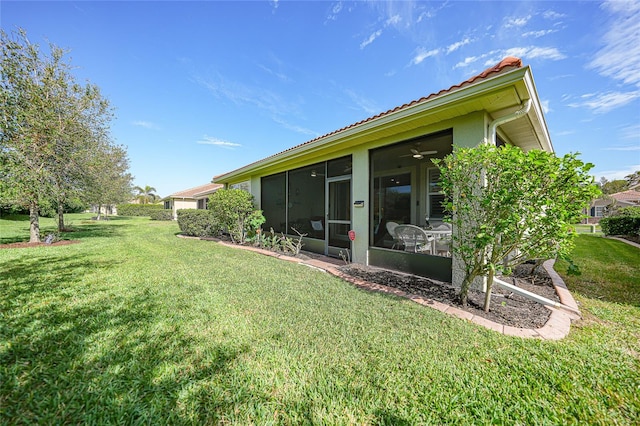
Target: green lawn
{"x":134,"y":325}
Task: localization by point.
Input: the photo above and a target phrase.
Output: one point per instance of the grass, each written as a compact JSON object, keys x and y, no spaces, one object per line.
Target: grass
{"x":134,"y":325}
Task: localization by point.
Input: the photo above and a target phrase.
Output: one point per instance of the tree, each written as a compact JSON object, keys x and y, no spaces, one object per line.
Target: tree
{"x":233,"y":209}
{"x":146,"y":195}
{"x":509,"y":206}
{"x":633,"y":179}
{"x":107,"y":179}
{"x":28,"y":95}
{"x":613,"y":186}
{"x":51,"y":128}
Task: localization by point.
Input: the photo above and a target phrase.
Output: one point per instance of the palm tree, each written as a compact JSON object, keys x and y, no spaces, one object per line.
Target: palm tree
{"x":146,"y":195}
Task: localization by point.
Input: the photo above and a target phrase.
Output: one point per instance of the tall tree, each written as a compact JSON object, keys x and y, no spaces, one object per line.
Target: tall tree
{"x":146,"y":195}
{"x":51,"y":127}
{"x":509,"y":206}
{"x":108,"y":180}
{"x":633,"y":180}
{"x":29,"y":95}
{"x":613,"y":186}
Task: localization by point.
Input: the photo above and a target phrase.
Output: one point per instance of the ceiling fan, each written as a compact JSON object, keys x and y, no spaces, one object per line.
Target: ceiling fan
{"x":419,"y":155}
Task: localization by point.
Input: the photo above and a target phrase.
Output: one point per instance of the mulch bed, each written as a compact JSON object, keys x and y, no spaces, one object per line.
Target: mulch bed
{"x":506,"y":308}
{"x":28,"y":244}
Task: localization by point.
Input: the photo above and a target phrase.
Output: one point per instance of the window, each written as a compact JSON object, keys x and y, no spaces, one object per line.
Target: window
{"x":598,"y":211}
{"x":297,"y":198}
{"x":202,"y":203}
{"x":306,"y":199}
{"x":405,"y":184}
{"x":435,"y":197}
{"x":273,"y":202}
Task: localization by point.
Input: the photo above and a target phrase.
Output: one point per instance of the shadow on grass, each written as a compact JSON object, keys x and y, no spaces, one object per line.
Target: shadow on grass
{"x":73,"y":352}
{"x":83,"y":231}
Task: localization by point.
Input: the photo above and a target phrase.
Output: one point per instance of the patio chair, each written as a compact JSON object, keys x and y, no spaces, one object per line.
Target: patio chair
{"x":317,"y":226}
{"x":414,"y":238}
{"x":443,"y":242}
{"x":391,"y":229}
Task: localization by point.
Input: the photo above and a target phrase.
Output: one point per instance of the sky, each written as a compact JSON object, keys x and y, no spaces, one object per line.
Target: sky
{"x":202,"y":88}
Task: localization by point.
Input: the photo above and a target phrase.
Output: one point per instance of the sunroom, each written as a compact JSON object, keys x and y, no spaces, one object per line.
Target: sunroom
{"x":370,"y":193}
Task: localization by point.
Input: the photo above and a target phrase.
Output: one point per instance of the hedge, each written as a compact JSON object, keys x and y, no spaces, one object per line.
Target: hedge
{"x":621,"y":225}
{"x":161,"y":215}
{"x":138,"y":209}
{"x":197,"y":223}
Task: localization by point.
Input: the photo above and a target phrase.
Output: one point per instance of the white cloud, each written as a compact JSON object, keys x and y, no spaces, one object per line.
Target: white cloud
{"x":552,"y":15}
{"x":619,"y":173}
{"x":601,"y":103}
{"x":146,"y":124}
{"x":295,"y":128}
{"x":619,"y":57}
{"x":371,"y":39}
{"x":624,"y":148}
{"x":455,"y":46}
{"x":524,"y":53}
{"x":393,"y":20}
{"x":423,"y":54}
{"x":512,"y":22}
{"x":209,"y":140}
{"x":538,"y":34}
{"x":545,"y":107}
{"x":631,"y":132}
{"x":335,"y":11}
{"x":365,"y":104}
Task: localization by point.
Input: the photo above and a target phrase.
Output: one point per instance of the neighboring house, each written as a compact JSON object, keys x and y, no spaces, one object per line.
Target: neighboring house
{"x":193,"y":198}
{"x":379,"y":170}
{"x":627,"y":198}
{"x":110,"y":209}
{"x":600,"y":206}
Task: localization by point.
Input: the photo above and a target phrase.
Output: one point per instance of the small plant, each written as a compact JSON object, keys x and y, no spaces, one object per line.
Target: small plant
{"x":51,"y":238}
{"x":346,"y":258}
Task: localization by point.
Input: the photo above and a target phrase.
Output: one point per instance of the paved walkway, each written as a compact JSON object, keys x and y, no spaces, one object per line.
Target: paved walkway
{"x":556,"y":328}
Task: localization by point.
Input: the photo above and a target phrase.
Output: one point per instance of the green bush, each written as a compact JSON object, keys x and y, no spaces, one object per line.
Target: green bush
{"x":161,"y":215}
{"x":235,"y":212}
{"x":197,"y":223}
{"x":621,"y":225}
{"x":138,"y":209}
{"x":629,"y":211}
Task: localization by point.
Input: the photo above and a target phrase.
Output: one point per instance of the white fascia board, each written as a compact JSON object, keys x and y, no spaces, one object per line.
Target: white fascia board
{"x":537,"y":114}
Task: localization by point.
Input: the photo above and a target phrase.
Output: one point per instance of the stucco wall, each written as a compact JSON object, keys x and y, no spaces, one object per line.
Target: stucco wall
{"x":183,"y":204}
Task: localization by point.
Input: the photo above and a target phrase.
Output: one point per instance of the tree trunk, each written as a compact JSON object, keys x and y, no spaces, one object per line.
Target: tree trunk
{"x":487,"y":295}
{"x":60,"y":216}
{"x":99,"y":210}
{"x":34,"y":222}
{"x":464,"y":290}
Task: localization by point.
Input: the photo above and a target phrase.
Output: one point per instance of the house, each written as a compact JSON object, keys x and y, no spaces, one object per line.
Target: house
{"x":193,"y":198}
{"x":601,"y":206}
{"x":379,"y":170}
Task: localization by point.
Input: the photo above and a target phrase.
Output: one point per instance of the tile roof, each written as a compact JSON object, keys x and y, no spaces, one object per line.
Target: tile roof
{"x":629,"y":195}
{"x":198,"y":190}
{"x":506,"y":64}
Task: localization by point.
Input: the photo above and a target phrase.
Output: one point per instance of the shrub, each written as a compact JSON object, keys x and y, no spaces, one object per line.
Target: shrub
{"x":633,"y":211}
{"x":233,"y":209}
{"x":197,"y":223}
{"x":621,"y":225}
{"x":161,"y":214}
{"x":138,"y":209}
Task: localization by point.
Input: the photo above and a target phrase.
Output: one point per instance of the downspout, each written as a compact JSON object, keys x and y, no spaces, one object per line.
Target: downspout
{"x":534,"y":297}
{"x":493,"y":127}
